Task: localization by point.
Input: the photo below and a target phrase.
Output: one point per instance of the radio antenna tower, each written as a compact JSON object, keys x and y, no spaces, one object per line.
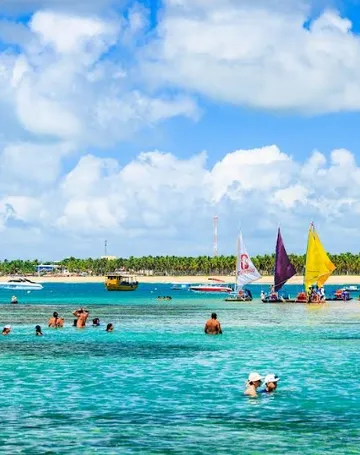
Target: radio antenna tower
{"x":105,"y":248}
{"x":215,"y":219}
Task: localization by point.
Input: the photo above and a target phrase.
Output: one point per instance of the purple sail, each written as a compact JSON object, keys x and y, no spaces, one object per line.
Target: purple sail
{"x":284,"y":269}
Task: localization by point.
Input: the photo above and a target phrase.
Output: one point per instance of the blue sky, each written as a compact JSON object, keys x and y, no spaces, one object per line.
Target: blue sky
{"x":136,"y":122}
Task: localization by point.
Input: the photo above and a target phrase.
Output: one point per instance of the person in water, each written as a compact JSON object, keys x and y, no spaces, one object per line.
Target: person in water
{"x":109,"y":327}
{"x":252,"y":384}
{"x":6,"y":330}
{"x":96,"y":322}
{"x":213,"y":326}
{"x":270,"y":381}
{"x":82,"y":316}
{"x":55,"y":321}
{"x":14,"y":299}
{"x":38,"y":331}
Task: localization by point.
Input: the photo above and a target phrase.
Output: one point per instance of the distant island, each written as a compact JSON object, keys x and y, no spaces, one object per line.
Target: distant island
{"x":346,"y":264}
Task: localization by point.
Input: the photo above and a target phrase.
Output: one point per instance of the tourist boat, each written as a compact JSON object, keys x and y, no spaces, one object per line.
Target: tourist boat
{"x":20,"y":284}
{"x":284,"y":270}
{"x":318,"y":268}
{"x":212,"y":288}
{"x":246,"y":273}
{"x":119,"y":282}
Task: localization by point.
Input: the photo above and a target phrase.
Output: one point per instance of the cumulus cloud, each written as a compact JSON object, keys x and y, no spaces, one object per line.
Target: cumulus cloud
{"x":258,"y":54}
{"x":160,"y":202}
{"x":63,"y":84}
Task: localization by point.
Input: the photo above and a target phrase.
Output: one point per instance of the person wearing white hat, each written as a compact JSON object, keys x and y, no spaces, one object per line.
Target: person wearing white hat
{"x":253,"y":382}
{"x":270,"y":381}
{"x":6,"y":330}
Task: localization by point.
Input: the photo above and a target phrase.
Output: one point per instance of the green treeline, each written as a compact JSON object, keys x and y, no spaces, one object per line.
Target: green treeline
{"x":346,"y":263}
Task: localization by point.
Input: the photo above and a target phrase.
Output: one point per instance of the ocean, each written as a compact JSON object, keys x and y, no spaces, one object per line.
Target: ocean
{"x":159,"y":385}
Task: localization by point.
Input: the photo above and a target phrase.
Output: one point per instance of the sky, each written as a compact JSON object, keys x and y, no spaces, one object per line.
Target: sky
{"x":138,"y":122}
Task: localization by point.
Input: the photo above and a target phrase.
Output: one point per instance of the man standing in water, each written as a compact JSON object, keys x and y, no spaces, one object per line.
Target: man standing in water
{"x":82,"y":316}
{"x":212,"y":326}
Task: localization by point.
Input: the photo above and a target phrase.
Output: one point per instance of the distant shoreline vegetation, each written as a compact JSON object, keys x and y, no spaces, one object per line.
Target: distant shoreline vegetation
{"x":346,"y":264}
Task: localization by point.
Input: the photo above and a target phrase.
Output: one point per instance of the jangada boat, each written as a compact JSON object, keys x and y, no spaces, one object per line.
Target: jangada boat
{"x":246,"y":273}
{"x":20,"y":284}
{"x":284,"y":270}
{"x":214,"y":287}
{"x":318,"y":268}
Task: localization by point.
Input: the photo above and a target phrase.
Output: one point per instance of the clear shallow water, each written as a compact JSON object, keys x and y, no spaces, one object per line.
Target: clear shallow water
{"x":158,"y":385}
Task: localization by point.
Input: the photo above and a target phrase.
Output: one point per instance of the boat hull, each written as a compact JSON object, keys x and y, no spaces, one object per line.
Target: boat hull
{"x":279,"y":301}
{"x":121,"y":287}
{"x":210,"y":289}
{"x":238,"y":299}
{"x":20,"y":287}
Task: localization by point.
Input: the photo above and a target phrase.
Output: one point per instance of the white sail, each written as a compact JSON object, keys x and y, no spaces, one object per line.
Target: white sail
{"x":246,"y":272}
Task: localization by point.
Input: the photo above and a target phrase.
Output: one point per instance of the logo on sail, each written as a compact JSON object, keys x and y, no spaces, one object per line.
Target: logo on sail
{"x":245,"y":264}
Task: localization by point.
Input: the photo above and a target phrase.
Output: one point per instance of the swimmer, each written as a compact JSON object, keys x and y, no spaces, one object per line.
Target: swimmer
{"x":14,"y":299}
{"x":253,"y":382}
{"x":213,"y":326}
{"x":109,"y":327}
{"x":55,"y":321}
{"x":96,"y":322}
{"x":6,"y":330}
{"x":38,"y":331}
{"x":82,"y":316}
{"x":270,"y":381}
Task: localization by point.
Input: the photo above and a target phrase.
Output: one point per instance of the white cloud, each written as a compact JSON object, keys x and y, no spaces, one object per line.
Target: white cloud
{"x":64,"y":85}
{"x":258,"y":55}
{"x":166,"y":204}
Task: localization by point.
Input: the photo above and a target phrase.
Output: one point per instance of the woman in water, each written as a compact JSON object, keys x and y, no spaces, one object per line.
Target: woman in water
{"x":270,"y":381}
{"x":109,"y":327}
{"x":252,"y":384}
{"x":96,"y":322}
{"x":38,"y":331}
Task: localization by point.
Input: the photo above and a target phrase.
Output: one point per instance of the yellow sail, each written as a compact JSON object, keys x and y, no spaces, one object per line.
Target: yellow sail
{"x":318,"y":266}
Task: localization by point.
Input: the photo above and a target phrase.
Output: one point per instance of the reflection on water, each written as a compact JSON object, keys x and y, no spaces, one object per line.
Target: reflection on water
{"x":158,"y":385}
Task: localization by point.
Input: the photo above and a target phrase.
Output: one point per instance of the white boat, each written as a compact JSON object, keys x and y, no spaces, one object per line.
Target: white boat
{"x":213,"y":288}
{"x":20,"y":284}
{"x":180,"y":286}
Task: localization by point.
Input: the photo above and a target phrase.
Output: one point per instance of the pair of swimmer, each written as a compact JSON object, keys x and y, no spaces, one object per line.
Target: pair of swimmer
{"x":55,"y":322}
{"x":7,"y":330}
{"x":254,"y":382}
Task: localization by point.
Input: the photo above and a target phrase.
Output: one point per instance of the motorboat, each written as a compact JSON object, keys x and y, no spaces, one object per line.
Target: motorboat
{"x":215,"y":287}
{"x":211,"y":288}
{"x":20,"y":284}
{"x":351,"y":288}
{"x":180,"y":286}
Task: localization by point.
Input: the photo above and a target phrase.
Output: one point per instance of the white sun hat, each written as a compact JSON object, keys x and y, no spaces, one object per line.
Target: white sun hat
{"x":271,"y":378}
{"x":254,"y":377}
{"x":7,"y":327}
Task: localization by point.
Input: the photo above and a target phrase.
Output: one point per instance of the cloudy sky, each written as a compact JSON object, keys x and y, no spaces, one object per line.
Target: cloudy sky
{"x":137,"y":122}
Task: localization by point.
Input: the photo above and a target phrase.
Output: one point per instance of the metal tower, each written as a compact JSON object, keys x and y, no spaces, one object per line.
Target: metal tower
{"x":105,"y":249}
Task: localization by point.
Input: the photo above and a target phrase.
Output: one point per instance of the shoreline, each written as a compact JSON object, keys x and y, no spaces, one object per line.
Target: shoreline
{"x":265,"y":280}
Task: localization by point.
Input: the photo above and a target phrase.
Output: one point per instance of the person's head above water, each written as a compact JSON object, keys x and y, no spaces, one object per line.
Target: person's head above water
{"x":213,"y":316}
{"x":55,"y":314}
{"x":254,"y":379}
{"x":271,"y":381}
{"x":6,"y":329}
{"x":96,"y":321}
{"x":109,"y":327}
{"x":38,"y":330}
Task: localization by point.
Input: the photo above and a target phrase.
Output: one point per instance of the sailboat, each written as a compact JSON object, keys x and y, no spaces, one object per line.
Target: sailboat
{"x":318,"y":268}
{"x":246,"y":273}
{"x":284,"y":270}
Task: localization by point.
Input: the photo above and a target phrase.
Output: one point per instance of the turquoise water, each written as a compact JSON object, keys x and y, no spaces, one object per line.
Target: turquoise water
{"x":158,"y":385}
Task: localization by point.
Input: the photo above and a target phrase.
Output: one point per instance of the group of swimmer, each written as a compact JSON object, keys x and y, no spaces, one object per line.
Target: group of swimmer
{"x":213,"y":327}
{"x":57,"y":322}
